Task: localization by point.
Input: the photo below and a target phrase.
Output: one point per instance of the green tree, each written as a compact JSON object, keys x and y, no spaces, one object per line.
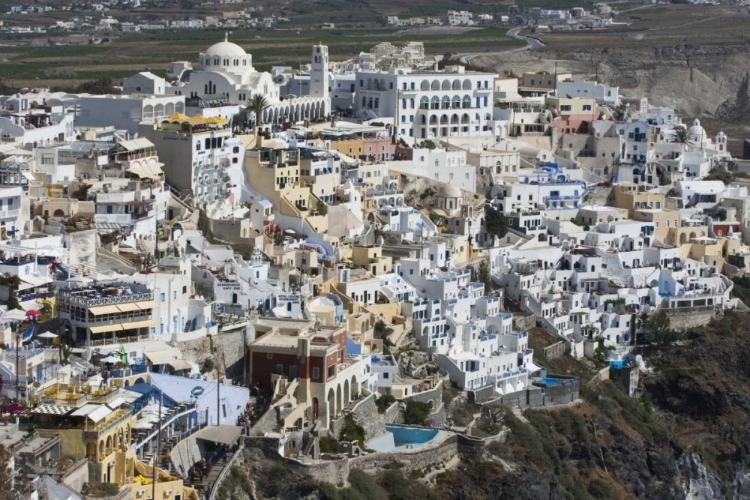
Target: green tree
{"x":656,"y":329}
{"x":258,"y":104}
{"x":681,"y":136}
{"x":494,"y":221}
{"x":416,"y":412}
{"x":484,"y":275}
{"x":383,"y":332}
{"x":99,"y":86}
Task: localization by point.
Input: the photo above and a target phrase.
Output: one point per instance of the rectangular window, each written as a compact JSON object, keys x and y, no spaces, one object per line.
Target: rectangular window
{"x":385,"y":374}
{"x":163,"y":297}
{"x":280,"y":369}
{"x":315,"y":373}
{"x":224,"y":410}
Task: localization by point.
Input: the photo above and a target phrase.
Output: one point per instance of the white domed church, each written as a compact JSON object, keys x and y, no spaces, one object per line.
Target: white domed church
{"x":225,"y":71}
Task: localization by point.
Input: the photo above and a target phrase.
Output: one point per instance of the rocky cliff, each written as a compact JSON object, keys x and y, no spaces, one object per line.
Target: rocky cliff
{"x":695,"y":79}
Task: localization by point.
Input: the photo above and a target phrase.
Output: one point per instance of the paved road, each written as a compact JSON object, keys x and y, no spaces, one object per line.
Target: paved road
{"x":532,"y":43}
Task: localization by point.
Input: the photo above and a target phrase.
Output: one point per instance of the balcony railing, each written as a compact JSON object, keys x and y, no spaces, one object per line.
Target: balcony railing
{"x":83,"y":301}
{"x":9,"y":214}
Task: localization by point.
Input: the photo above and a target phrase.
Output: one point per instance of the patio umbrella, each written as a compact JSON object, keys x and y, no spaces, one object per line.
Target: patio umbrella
{"x":33,"y":312}
{"x":14,"y":315}
{"x":110,"y":359}
{"x":47,"y":335}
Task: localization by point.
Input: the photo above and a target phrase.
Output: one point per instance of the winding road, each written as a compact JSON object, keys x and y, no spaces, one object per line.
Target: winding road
{"x":532,"y":43}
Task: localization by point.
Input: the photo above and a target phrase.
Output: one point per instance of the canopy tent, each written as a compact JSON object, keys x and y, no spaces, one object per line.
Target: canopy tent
{"x":222,"y":434}
{"x":14,"y":315}
{"x":93,"y":412}
{"x":532,"y":368}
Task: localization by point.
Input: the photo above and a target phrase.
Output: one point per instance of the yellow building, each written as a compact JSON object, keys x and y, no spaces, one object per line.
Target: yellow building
{"x":663,"y":221}
{"x":633,"y":197}
{"x":273,"y":170}
{"x":90,"y":429}
{"x":566,"y":106}
{"x":351,"y":147}
{"x":372,"y":259}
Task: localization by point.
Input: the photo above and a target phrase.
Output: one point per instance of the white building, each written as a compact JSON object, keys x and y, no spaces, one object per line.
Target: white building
{"x":202,"y":157}
{"x":226,"y":71}
{"x":582,"y":88}
{"x":453,"y":103}
{"x":126,"y":112}
{"x":144,"y":82}
{"x":12,"y":213}
{"x":439,"y":164}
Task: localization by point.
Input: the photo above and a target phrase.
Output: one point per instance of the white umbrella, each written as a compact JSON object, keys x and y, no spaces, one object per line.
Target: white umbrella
{"x":14,"y":315}
{"x":47,"y":335}
{"x":110,"y":359}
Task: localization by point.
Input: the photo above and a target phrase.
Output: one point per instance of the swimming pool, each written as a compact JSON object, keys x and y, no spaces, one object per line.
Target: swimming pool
{"x":554,"y":381}
{"x":402,"y":438}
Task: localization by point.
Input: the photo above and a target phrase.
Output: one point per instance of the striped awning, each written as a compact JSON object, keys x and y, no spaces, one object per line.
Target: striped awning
{"x":106,"y":328}
{"x":137,"y":324}
{"x":130,"y":306}
{"x":104,"y":310}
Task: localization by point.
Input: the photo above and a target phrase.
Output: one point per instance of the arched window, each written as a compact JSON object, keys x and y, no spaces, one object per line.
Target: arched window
{"x":435,"y":102}
{"x":456,"y":103}
{"x":446,"y":85}
{"x":435,"y":85}
{"x":456,"y":85}
{"x":235,"y":149}
{"x":466,"y":101}
{"x":424,"y":103}
{"x":446,"y":103}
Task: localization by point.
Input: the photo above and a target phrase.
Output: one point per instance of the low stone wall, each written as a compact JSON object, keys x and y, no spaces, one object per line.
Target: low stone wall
{"x":393,"y":414}
{"x":600,"y":376}
{"x":448,"y":445}
{"x":523,"y":322}
{"x":434,"y":395}
{"x":554,"y":351}
{"x":425,"y":456}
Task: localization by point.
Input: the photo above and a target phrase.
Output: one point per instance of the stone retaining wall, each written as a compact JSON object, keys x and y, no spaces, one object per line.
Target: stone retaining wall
{"x":689,"y":317}
{"x":528,"y":398}
{"x":366,"y":414}
{"x":450,"y":445}
{"x":523,"y":323}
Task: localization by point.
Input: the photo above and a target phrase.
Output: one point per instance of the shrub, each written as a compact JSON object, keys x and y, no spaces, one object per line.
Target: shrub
{"x":208,"y":365}
{"x":384,"y":402}
{"x":352,"y":431}
{"x":416,"y":413}
{"x":328,"y":445}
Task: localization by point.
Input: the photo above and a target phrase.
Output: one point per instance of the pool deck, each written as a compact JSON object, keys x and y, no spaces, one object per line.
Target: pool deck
{"x":386,"y":444}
